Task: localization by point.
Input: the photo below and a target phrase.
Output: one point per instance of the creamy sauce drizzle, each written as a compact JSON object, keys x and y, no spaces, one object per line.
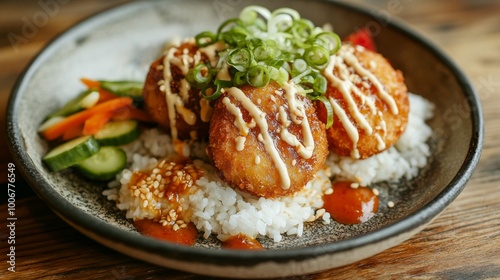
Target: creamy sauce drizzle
{"x":297,"y":116}
{"x":176,"y":100}
{"x":260,"y":119}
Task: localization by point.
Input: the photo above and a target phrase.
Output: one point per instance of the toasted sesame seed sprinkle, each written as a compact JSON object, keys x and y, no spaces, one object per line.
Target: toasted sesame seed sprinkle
{"x":329,"y":191}
{"x":375,"y":191}
{"x":319,"y":213}
{"x":390,"y":204}
{"x":355,"y":185}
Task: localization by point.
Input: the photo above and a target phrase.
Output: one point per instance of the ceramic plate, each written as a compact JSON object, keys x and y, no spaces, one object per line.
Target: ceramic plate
{"x":121,"y":43}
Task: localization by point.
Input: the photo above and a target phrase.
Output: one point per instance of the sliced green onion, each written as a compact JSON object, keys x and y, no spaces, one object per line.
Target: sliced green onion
{"x":220,"y":84}
{"x":225,"y":24}
{"x":240,"y":59}
{"x":298,"y":78}
{"x":320,"y":84}
{"x":299,"y":65}
{"x":328,"y":107}
{"x":205,"y":39}
{"x":258,"y":76}
{"x":317,"y":57}
{"x":201,"y":74}
{"x":250,"y":13}
{"x":262,"y":45}
{"x":240,"y":78}
{"x":291,"y":12}
{"x":301,"y":29}
{"x":329,"y":40}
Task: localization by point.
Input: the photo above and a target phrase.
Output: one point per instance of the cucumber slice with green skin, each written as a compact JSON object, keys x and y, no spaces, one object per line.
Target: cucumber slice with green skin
{"x":83,"y":101}
{"x":71,"y":153}
{"x":118,"y":133}
{"x":104,"y":165}
{"x":131,"y":89}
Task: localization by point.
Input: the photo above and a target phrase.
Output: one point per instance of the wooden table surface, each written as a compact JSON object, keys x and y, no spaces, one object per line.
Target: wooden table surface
{"x":462,"y":243}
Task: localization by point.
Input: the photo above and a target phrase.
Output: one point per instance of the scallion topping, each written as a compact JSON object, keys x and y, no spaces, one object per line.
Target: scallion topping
{"x":264,"y":46}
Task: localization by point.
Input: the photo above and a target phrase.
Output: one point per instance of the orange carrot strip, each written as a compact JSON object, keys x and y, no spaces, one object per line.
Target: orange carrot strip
{"x":105,"y":95}
{"x":79,"y":118}
{"x":131,"y":112}
{"x":91,"y":84}
{"x":72,"y":132}
{"x":96,"y":122}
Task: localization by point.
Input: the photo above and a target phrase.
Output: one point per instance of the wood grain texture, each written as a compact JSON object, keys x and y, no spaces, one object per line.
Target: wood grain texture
{"x":462,"y":243}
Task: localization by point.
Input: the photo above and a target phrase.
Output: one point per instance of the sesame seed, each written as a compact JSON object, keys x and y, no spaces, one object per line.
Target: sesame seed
{"x":329,"y":191}
{"x":145,"y":203}
{"x":375,"y":192}
{"x":390,"y":204}
{"x":294,"y":162}
{"x":172,"y":213}
{"x":175,"y":227}
{"x":355,"y":185}
{"x":320,"y":213}
{"x":137,"y":192}
{"x":183,"y":225}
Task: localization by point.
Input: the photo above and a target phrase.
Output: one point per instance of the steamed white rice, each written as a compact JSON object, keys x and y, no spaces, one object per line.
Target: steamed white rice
{"x":216,"y":208}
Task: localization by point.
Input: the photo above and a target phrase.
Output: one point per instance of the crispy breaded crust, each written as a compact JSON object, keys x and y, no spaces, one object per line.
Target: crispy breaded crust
{"x":252,"y":169}
{"x":156,"y":104}
{"x":387,"y":126}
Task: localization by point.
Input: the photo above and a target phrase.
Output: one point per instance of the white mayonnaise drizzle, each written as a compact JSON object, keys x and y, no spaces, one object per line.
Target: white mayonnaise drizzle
{"x":176,"y":100}
{"x":261,"y":122}
{"x":297,"y":114}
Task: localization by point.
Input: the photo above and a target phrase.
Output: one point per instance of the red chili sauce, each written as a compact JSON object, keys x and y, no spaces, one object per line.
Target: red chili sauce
{"x":348,"y":205}
{"x":184,"y":236}
{"x":242,"y":242}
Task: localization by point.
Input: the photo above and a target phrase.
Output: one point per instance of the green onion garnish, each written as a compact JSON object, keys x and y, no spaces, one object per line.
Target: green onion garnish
{"x":258,"y":76}
{"x":262,"y":46}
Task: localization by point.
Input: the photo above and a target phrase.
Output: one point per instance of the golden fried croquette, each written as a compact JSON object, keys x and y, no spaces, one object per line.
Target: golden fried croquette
{"x":191,"y":112}
{"x":266,"y":141}
{"x":369,"y":100}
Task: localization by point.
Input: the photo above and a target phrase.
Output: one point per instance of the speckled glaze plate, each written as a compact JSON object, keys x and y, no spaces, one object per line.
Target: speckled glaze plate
{"x":121,"y":43}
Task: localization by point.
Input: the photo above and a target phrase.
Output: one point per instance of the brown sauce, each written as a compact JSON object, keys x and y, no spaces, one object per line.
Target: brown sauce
{"x":348,"y":205}
{"x":242,"y":242}
{"x":183,"y":235}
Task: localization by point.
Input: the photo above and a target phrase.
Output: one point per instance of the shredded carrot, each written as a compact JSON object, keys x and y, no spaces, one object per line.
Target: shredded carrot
{"x":72,"y":132}
{"x":131,"y":112}
{"x":96,"y":122}
{"x":105,"y":95}
{"x":58,"y":129}
{"x":91,"y":84}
